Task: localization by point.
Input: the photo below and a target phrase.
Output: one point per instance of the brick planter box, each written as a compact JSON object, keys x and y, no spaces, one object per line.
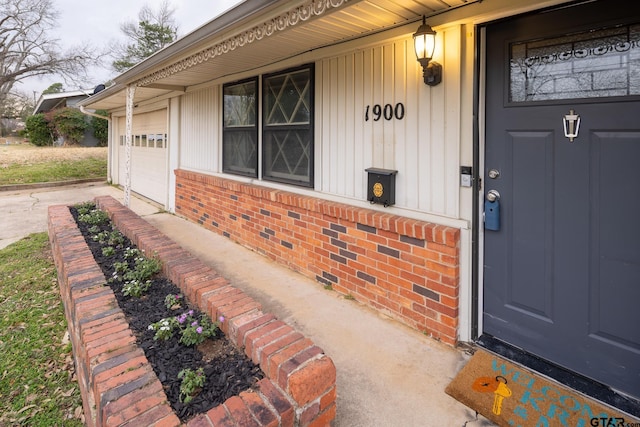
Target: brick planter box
{"x":116,"y":381}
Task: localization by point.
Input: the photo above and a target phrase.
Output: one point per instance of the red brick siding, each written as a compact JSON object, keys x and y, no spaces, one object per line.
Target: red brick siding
{"x":406,"y":268}
{"x":117,"y":384}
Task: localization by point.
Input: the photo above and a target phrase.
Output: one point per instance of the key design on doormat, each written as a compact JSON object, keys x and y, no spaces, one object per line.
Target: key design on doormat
{"x":497,"y":386}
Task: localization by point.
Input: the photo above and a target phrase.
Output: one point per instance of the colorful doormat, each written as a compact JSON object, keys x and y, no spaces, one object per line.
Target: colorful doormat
{"x":510,"y":395}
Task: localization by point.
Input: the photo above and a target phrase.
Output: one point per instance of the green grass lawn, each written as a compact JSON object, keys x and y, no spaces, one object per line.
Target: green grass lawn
{"x":55,"y":170}
{"x":37,"y":382}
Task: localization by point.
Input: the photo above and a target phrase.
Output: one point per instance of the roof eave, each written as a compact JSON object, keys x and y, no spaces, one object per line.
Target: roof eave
{"x":242,"y":12}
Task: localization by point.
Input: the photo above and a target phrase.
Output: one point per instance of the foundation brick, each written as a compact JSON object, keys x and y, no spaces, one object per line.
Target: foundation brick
{"x":388,"y":252}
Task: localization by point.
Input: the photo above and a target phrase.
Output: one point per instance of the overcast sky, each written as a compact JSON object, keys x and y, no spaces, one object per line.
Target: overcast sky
{"x":99,"y":22}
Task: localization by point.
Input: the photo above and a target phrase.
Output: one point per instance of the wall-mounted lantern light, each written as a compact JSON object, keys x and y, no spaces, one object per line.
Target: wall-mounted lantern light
{"x":424,"y":41}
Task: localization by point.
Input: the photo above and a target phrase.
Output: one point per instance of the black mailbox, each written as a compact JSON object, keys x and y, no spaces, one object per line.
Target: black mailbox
{"x":382,"y":186}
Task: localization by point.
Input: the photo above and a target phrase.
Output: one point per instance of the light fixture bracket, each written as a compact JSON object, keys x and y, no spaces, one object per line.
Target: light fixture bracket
{"x":431,"y":73}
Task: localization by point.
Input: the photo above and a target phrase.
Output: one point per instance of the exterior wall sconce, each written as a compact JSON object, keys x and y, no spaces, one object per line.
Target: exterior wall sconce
{"x":424,"y":41}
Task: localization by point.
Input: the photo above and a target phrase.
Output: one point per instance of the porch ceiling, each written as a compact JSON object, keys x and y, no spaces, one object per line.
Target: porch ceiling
{"x":256,"y":33}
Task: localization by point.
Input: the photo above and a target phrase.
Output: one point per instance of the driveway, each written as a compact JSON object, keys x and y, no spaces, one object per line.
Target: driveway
{"x":23,"y":212}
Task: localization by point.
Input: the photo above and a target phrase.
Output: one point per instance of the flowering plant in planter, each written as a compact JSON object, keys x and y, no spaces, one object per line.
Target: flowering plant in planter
{"x":135,"y":274}
{"x":192,"y":331}
{"x":191,"y":382}
{"x":197,"y":331}
{"x":173,"y":301}
{"x":164,"y":328}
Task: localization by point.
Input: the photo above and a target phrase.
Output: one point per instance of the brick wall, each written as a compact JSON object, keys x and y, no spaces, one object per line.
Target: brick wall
{"x":116,"y":381}
{"x":405,"y":268}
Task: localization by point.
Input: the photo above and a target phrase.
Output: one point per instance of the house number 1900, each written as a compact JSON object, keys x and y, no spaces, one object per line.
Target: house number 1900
{"x":388,"y":112}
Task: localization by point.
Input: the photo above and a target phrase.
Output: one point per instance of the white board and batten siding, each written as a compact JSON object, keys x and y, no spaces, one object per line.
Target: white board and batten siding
{"x":201,"y":118}
{"x":149,"y":148}
{"x":422,"y":144}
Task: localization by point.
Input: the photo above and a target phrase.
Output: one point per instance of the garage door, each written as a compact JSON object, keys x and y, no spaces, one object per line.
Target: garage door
{"x":149,"y":148}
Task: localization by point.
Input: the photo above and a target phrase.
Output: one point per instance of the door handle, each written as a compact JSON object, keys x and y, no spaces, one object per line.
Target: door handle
{"x":493,"y":195}
{"x":492,"y":211}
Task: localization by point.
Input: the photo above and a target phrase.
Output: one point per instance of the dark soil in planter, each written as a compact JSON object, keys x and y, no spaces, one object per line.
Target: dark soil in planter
{"x":228,"y":371}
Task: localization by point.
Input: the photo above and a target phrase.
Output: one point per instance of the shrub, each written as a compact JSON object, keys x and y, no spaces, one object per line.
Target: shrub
{"x":100,"y":128}
{"x":38,"y":130}
{"x":70,"y":124}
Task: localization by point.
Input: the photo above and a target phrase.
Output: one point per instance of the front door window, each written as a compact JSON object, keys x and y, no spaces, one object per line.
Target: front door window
{"x":590,"y":64}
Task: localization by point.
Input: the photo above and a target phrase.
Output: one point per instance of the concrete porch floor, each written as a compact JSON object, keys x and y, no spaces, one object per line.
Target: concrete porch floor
{"x":388,"y":374}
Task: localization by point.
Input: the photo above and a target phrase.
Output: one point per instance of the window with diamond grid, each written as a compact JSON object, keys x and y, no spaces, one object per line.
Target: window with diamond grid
{"x":287,"y":128}
{"x":286,"y":143}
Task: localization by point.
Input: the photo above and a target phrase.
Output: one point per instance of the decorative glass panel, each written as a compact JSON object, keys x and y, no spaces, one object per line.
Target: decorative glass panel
{"x":240,"y":131}
{"x":591,"y":64}
{"x":288,"y":128}
{"x":288,"y":155}
{"x":288,"y":98}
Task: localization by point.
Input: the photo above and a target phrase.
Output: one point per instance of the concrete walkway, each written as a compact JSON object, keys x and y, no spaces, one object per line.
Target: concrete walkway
{"x":388,"y":374}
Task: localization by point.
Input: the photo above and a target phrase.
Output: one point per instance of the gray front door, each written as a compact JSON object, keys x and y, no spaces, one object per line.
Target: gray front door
{"x":562,"y":271}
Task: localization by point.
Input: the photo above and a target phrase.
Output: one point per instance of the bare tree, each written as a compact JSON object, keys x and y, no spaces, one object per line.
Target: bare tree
{"x":154,"y":30}
{"x":27,"y":50}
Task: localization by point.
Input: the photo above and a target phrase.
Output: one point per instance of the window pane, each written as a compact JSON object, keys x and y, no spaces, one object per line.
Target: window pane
{"x":592,"y":64}
{"x":288,"y":98}
{"x":240,"y":104}
{"x":240,"y":154}
{"x":288,"y":155}
{"x":240,"y":131}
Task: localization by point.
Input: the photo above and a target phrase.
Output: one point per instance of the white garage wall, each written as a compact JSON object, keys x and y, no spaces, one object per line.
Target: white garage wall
{"x":148,"y":164}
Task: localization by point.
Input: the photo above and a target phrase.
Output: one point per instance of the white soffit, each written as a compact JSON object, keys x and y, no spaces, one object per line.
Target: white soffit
{"x":285,"y":30}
